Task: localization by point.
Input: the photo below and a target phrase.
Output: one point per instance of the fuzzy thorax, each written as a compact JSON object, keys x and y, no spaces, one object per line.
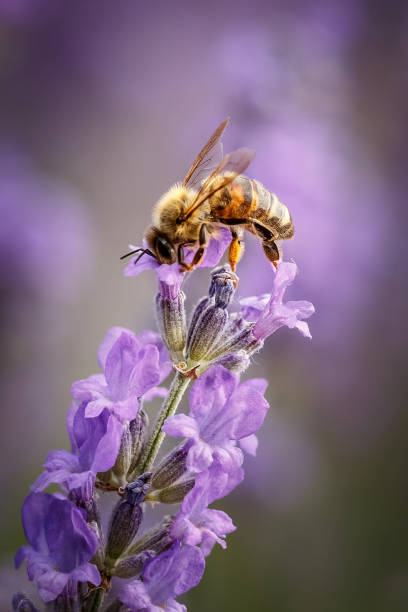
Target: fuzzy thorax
{"x":170,"y":208}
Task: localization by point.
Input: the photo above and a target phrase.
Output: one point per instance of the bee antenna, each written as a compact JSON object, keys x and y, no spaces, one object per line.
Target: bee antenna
{"x":143,"y":251}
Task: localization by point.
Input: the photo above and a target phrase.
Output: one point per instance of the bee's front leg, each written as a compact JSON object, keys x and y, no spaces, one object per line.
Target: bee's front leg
{"x":199,"y":254}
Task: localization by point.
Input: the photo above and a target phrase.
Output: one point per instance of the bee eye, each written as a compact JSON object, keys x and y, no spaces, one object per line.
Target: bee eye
{"x":165,"y":250}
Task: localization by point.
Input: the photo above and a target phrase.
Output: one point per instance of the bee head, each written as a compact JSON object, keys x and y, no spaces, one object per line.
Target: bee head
{"x":161,"y":246}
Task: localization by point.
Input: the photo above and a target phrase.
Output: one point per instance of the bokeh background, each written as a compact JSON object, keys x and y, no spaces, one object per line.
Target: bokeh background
{"x":102,"y":106}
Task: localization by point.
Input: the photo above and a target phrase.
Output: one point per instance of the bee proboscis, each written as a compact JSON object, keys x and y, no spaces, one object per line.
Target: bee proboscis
{"x":215,"y":193}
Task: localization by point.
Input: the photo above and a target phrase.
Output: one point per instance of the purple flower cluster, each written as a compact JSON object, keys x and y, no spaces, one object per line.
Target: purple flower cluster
{"x":114,"y":449}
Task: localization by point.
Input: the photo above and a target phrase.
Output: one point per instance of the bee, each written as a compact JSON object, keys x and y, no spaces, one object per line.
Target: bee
{"x":215,"y":193}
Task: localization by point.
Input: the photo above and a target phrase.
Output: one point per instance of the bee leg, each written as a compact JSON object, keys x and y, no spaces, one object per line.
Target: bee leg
{"x":271,"y":249}
{"x":272,"y":252}
{"x":236,"y":248}
{"x":180,"y":257}
{"x":203,"y":239}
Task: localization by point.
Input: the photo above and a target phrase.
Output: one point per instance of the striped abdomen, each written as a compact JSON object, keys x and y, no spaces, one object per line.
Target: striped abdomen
{"x":248,"y":200}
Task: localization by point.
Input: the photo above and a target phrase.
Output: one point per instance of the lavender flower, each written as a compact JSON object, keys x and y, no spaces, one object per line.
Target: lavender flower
{"x":95,"y":443}
{"x":169,"y":575}
{"x":195,"y":523}
{"x":61,"y":545}
{"x":108,"y":428}
{"x":132,"y":369}
{"x":270,"y":313}
{"x":221,"y":412}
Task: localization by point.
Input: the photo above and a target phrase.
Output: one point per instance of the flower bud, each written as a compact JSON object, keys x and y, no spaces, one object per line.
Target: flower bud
{"x":133,"y":565}
{"x":236,"y":362}
{"x":21,"y":603}
{"x":124,"y":457}
{"x":211,"y":317}
{"x":174,"y":494}
{"x":202,"y":305}
{"x":229,"y":343}
{"x":170,"y":469}
{"x":157,"y":539}
{"x":171,"y":321}
{"x":223,"y":284}
{"x":207,"y":331}
{"x":93,"y":519}
{"x":126,"y":519}
{"x":138,"y":430}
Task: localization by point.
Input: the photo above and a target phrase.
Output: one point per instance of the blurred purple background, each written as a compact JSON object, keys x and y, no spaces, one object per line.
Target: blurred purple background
{"x":103,"y":106}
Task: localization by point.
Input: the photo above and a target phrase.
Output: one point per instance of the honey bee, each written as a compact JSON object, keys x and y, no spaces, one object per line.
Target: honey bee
{"x":215,"y":193}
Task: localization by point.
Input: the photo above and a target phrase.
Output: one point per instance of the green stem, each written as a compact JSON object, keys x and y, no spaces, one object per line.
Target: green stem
{"x":170,"y":405}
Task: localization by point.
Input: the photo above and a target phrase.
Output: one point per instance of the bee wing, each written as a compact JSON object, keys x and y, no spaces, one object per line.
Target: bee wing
{"x":208,"y":159}
{"x":228,"y":169}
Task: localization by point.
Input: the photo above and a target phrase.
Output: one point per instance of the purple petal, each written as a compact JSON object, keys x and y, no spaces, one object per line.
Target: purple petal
{"x":135,"y":596}
{"x":46,"y":478}
{"x":181,"y":426}
{"x":35,"y":508}
{"x":229,"y":458}
{"x":251,"y":307}
{"x":50,"y":581}
{"x":249,"y":444}
{"x":96,"y":407}
{"x":108,"y":446}
{"x":184,"y":530}
{"x":173,"y":572}
{"x":151,"y":337}
{"x":170,"y":277}
{"x":146,"y":372}
{"x":218,"y":521}
{"x":88,"y":572}
{"x":216,"y":248}
{"x":284,"y":276}
{"x":120,"y":362}
{"x":211,"y":391}
{"x":229,"y":480}
{"x":251,"y":407}
{"x":277,"y":315}
{"x":145,"y":262}
{"x":89,"y":388}
{"x":107,"y":343}
{"x":199,"y":457}
{"x":127,"y":409}
{"x":61,"y":460}
{"x":155,"y":392}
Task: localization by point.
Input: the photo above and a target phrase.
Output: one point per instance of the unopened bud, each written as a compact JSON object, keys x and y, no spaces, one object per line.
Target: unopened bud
{"x":124,"y":457}
{"x":94,"y":521}
{"x":242,"y":340}
{"x":170,"y":469}
{"x":21,"y":603}
{"x":157,"y":539}
{"x":171,"y":321}
{"x":174,"y":494}
{"x":202,"y":305}
{"x":236,"y":362}
{"x":223,"y":284}
{"x":126,"y":519}
{"x":133,"y":565}
{"x":138,"y":430}
{"x":207,"y":331}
